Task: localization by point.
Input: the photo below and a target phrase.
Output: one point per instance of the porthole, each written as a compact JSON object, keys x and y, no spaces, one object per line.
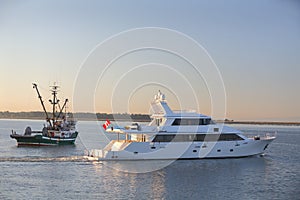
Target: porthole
{"x":231,"y":150}
{"x":153,"y":147}
{"x":194,"y":150}
{"x":266,"y":146}
{"x":219,"y":150}
{"x":135,"y":152}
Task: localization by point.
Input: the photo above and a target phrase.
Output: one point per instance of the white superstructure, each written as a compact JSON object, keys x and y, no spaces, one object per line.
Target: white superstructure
{"x":180,"y":135}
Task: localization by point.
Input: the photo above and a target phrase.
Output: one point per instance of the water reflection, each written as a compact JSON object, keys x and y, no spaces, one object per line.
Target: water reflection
{"x":132,"y":185}
{"x":199,"y":175}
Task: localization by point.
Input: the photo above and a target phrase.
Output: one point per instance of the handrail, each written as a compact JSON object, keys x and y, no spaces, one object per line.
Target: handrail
{"x":266,"y":135}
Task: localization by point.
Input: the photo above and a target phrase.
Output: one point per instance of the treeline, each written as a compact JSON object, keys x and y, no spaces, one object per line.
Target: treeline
{"x":112,"y":117}
{"x":264,"y":123}
{"x":78,"y":116}
{"x":22,"y":115}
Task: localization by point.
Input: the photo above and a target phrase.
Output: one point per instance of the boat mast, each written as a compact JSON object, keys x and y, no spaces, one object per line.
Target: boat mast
{"x":41,"y":100}
{"x":54,"y":101}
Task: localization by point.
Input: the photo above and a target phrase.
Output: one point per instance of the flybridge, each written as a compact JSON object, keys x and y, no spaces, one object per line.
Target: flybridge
{"x":160,"y":108}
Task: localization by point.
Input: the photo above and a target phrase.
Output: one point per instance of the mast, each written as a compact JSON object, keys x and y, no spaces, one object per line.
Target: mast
{"x":54,"y":101}
{"x":41,"y":100}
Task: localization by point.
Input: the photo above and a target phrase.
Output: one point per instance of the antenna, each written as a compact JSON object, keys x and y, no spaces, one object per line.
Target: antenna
{"x":54,"y":101}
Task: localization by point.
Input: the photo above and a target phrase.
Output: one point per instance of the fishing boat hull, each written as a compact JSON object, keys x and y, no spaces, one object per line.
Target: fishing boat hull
{"x":40,"y":140}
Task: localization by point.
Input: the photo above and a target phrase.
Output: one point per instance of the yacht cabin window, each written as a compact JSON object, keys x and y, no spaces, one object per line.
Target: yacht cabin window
{"x":196,"y":137}
{"x":191,"y":122}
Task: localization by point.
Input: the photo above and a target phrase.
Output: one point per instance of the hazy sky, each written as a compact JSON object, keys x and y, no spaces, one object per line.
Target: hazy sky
{"x":254,"y":44}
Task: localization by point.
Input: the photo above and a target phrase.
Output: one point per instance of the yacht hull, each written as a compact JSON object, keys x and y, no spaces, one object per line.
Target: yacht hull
{"x":123,"y":150}
{"x":180,"y":135}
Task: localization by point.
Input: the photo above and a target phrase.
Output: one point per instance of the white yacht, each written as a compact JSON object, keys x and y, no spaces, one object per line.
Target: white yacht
{"x":180,"y":135}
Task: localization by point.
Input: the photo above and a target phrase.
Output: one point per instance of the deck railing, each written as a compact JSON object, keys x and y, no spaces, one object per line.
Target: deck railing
{"x":258,"y":136}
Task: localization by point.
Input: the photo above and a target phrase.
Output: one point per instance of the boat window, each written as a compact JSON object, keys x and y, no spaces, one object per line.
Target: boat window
{"x":191,"y":122}
{"x":196,"y":137}
{"x":184,"y":138}
{"x":176,"y":122}
{"x":218,"y":137}
{"x":164,"y":138}
{"x":230,"y":137}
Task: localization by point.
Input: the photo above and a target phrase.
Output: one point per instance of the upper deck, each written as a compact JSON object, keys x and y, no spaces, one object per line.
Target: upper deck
{"x":164,"y":119}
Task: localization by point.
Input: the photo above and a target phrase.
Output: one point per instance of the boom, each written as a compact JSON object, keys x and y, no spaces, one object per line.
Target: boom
{"x":62,"y":108}
{"x":42,"y":102}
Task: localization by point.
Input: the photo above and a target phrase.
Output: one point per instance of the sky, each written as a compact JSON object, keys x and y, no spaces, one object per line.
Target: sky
{"x":240,"y":58}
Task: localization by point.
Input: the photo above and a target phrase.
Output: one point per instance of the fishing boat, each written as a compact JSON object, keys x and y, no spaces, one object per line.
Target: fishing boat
{"x":180,"y":135}
{"x":60,"y":129}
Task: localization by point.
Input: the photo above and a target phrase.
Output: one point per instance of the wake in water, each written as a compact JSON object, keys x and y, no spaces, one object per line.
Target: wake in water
{"x":44,"y":159}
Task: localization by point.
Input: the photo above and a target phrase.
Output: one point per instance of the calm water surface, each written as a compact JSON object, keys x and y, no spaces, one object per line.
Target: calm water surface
{"x":63,"y":173}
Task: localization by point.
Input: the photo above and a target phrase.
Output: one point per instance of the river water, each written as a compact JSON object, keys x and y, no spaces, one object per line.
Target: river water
{"x":63,"y":172}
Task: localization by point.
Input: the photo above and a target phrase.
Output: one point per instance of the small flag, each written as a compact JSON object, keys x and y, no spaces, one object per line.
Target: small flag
{"x":106,"y":124}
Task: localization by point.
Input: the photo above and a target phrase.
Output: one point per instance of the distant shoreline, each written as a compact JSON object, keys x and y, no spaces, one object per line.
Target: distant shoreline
{"x":81,"y":119}
{"x":38,"y":115}
{"x":264,"y":123}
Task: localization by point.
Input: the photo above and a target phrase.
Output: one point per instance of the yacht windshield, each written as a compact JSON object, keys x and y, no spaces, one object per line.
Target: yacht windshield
{"x":191,"y":122}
